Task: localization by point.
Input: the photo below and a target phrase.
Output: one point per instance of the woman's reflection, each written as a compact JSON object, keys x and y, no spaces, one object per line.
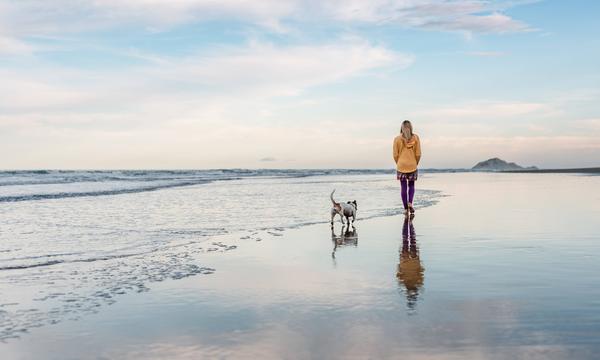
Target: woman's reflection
{"x":410,"y":270}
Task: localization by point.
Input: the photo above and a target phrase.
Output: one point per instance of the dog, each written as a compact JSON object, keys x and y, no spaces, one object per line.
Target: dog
{"x":347,"y":210}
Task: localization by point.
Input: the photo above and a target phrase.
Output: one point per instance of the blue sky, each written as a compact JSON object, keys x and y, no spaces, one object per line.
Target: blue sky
{"x":302,"y":84}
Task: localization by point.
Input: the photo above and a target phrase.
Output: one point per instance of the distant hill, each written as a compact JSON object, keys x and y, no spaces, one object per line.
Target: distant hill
{"x":496,"y":164}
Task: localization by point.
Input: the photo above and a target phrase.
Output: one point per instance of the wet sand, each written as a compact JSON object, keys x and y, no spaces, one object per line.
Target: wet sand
{"x":504,"y":267}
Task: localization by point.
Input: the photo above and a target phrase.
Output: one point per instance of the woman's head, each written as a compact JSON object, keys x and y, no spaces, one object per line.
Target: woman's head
{"x":406,"y":130}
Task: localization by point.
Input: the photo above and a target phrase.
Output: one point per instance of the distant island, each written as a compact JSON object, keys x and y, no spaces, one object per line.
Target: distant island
{"x":496,"y":164}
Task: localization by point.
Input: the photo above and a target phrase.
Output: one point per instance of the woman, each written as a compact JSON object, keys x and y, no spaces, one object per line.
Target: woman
{"x":407,"y":153}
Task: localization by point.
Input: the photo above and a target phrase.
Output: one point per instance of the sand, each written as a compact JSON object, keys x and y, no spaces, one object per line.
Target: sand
{"x":496,"y":270}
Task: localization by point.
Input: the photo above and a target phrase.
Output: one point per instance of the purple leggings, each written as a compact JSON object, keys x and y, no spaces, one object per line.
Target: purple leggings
{"x":407,"y":190}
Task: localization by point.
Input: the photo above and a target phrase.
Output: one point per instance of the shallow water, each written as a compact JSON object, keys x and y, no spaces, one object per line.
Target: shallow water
{"x":505,"y":266}
{"x":67,"y":256}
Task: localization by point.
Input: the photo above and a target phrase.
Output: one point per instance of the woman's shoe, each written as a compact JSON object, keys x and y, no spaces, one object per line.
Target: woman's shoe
{"x":411,"y":209}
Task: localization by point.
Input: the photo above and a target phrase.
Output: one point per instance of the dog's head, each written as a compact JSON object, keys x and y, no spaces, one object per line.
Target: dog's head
{"x":354,"y":203}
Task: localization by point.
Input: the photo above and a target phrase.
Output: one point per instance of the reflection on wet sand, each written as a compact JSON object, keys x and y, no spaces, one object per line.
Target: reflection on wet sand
{"x":410,"y":271}
{"x":347,"y":237}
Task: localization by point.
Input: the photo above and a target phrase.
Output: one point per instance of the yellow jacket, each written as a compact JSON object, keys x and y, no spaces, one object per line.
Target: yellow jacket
{"x":407,"y":153}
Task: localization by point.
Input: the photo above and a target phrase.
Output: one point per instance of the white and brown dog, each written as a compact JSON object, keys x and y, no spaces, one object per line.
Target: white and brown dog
{"x":347,"y":210}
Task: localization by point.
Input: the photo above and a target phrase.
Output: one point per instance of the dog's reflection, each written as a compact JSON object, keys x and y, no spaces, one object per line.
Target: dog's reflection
{"x":410,"y":271}
{"x":347,"y":237}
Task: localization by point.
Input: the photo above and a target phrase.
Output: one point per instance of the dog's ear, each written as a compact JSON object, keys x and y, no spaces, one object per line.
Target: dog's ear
{"x":355,"y":204}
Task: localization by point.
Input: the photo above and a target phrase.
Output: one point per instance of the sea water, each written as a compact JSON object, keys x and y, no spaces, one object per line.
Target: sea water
{"x":73,"y":241}
{"x":496,"y":266}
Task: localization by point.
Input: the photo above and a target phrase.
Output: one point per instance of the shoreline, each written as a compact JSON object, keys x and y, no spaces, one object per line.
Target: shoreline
{"x":592,"y":170}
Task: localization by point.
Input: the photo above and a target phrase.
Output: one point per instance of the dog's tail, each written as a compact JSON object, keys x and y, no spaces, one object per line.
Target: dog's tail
{"x":331,"y":197}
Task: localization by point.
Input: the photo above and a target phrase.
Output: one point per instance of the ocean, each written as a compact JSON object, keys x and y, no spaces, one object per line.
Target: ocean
{"x":73,"y":241}
{"x":244,"y":264}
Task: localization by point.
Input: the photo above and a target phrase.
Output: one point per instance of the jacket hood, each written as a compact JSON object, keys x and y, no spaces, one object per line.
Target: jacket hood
{"x":409,"y":143}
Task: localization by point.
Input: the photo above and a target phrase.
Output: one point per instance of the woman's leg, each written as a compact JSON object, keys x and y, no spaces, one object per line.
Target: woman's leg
{"x":411,"y":191}
{"x":404,"y":193}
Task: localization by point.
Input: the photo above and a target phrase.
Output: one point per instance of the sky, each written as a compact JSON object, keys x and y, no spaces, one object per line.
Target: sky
{"x":195,"y":84}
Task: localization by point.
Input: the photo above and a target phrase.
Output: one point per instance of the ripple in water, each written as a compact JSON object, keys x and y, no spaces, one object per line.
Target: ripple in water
{"x":71,"y":290}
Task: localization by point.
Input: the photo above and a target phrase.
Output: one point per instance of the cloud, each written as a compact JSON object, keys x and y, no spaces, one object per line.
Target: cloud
{"x":283,"y":70}
{"x":542,"y":151}
{"x":485,"y":110}
{"x":592,"y":125}
{"x":27,"y":90}
{"x":40,"y":18}
{"x":517,"y":143}
{"x":146,"y":115}
{"x":258,"y":70}
{"x":243,"y":74}
{"x":268,"y":159}
{"x":12,"y":46}
{"x":470,"y":16}
{"x":492,"y":23}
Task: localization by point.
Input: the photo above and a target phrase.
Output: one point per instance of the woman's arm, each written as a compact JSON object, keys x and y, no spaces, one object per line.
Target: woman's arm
{"x":418,"y":150}
{"x":396,"y":151}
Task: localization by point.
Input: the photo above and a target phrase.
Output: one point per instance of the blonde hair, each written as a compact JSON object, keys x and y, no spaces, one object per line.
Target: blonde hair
{"x":406,"y":130}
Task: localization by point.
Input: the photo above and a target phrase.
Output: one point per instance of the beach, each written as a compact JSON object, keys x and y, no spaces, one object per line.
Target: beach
{"x":171,"y":171}
{"x":493,"y":266}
